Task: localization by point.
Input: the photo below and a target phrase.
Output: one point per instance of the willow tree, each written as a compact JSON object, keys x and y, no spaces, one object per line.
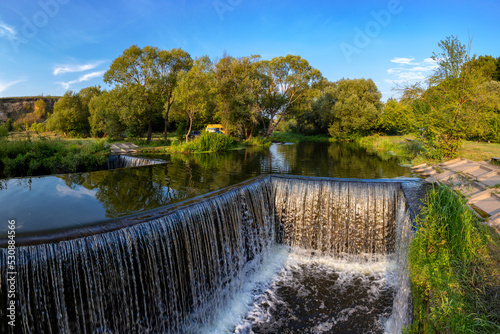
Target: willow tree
{"x":284,"y":82}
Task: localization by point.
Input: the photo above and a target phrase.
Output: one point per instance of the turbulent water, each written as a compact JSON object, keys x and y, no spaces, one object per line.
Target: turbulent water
{"x":277,"y":254}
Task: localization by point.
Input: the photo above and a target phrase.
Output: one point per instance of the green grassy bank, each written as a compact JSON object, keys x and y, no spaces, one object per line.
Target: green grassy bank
{"x":49,"y":156}
{"x":454,"y":269}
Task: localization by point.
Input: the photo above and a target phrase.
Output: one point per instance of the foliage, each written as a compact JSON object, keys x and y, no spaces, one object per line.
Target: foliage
{"x":290,"y":137}
{"x":356,"y":108}
{"x":40,"y":108}
{"x":41,"y":157}
{"x":150,"y":76}
{"x":207,"y":142}
{"x":258,"y":142}
{"x":4,"y":132}
{"x":108,"y":113}
{"x":455,"y":104}
{"x":409,"y":150}
{"x":70,"y":115}
{"x":448,"y":268}
{"x":193,"y":91}
{"x":396,"y":118}
{"x":8,"y":125}
{"x":237,"y":84}
{"x":284,"y":82}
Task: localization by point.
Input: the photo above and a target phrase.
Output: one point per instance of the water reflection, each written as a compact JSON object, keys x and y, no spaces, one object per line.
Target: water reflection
{"x":58,"y":202}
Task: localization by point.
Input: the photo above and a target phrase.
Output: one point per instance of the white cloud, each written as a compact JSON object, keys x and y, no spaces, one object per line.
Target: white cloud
{"x":83,"y":78}
{"x":71,"y":68}
{"x":5,"y":85}
{"x":404,"y":61}
{"x":409,"y":72}
{"x":78,"y":192}
{"x":6,"y":30}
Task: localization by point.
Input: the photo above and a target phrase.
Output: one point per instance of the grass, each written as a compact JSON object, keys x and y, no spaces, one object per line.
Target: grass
{"x":50,"y":156}
{"x":454,"y":269}
{"x":411,"y":149}
{"x":289,"y":137}
{"x":207,"y":142}
{"x":406,"y":147}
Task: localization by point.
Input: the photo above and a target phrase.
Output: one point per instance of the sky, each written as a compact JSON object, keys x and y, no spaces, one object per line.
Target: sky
{"x":51,"y":46}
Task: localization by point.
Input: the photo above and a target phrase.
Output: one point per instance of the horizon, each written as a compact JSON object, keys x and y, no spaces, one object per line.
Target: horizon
{"x":52,"y":46}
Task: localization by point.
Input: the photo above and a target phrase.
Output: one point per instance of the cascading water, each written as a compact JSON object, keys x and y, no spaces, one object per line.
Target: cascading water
{"x":125,"y":161}
{"x":180,"y":272}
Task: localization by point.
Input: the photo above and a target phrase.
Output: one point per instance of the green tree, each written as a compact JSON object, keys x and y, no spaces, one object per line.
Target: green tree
{"x":396,"y":118}
{"x":107,"y":113}
{"x":135,"y":70}
{"x":318,"y":115}
{"x":236,"y":82}
{"x":453,"y":108}
{"x":69,"y":116}
{"x":356,"y":108}
{"x":193,"y":91}
{"x":168,"y":65}
{"x":40,"y":108}
{"x":284,"y":82}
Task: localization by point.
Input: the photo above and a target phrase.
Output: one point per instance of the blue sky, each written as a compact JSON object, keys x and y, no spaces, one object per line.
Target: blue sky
{"x":50,"y":46}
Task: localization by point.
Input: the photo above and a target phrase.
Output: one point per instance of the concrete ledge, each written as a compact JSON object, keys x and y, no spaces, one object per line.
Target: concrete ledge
{"x":476,"y":181}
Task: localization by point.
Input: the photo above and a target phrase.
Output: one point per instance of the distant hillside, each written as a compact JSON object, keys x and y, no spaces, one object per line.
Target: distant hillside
{"x":16,"y":107}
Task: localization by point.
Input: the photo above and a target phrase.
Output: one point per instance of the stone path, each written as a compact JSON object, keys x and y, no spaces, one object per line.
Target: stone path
{"x":479,"y":182}
{"x":123,"y":148}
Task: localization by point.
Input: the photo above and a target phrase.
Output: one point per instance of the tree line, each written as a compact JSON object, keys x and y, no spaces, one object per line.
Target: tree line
{"x":162,"y":90}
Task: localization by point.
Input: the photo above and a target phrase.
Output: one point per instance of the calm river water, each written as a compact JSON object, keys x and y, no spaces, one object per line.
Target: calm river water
{"x":50,"y":203}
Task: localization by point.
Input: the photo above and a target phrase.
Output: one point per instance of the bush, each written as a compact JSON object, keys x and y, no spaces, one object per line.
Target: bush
{"x":214,"y":142}
{"x":26,"y":158}
{"x":4,"y":133}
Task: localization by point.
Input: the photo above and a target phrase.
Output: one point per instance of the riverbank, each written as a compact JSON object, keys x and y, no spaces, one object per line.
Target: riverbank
{"x":454,"y":268}
{"x":51,"y":156}
{"x":411,"y":149}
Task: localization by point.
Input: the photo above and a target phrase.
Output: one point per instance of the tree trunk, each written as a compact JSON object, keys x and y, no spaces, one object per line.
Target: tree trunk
{"x":189,"y":129}
{"x":150,"y":130}
{"x":166,"y":121}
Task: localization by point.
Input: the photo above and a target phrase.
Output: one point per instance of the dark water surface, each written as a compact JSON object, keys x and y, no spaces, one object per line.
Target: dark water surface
{"x":50,"y":203}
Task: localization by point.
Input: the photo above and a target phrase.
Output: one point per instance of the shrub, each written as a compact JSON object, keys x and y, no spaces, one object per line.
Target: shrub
{"x":26,"y":158}
{"x":213,"y":142}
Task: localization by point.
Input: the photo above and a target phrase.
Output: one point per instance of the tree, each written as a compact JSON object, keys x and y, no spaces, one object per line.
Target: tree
{"x":147,"y":73}
{"x":396,"y":117}
{"x":236,"y":81}
{"x":316,"y":116}
{"x":169,"y":64}
{"x":356,"y":109}
{"x":107,"y":113}
{"x":69,"y":116}
{"x":193,"y":92}
{"x":284,"y":82}
{"x":453,"y":108}
{"x":40,"y":108}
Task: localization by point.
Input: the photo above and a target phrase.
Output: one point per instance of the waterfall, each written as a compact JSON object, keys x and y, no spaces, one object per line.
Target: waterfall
{"x":124,"y":161}
{"x":169,"y":274}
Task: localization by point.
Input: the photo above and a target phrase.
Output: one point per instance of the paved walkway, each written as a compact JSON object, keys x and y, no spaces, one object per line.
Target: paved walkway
{"x":479,"y":182}
{"x":123,"y":148}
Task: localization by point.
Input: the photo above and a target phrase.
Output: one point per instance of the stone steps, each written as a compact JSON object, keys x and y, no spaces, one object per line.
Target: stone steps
{"x":478,"y":182}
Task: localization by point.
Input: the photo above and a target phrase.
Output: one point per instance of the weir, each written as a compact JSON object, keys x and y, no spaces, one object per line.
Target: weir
{"x":176,"y":268}
{"x":125,"y":161}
